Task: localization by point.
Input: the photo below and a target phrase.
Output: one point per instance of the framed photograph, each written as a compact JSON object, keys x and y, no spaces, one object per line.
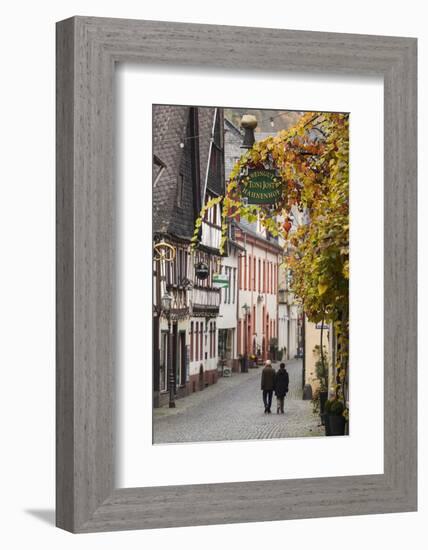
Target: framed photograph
{"x":236,"y":274}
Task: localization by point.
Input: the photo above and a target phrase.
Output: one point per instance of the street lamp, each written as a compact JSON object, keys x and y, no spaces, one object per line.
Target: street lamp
{"x":245,"y":307}
{"x":249,"y":124}
{"x":166,"y":301}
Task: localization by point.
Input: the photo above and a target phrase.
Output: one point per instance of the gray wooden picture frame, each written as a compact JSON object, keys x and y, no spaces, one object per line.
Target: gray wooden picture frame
{"x":87,"y":50}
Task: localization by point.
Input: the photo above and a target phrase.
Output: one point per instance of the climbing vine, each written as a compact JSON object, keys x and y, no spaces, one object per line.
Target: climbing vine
{"x":196,"y":233}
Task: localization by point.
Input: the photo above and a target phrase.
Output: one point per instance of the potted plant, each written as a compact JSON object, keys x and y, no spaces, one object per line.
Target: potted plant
{"x":321,"y":372}
{"x":334,"y":419}
{"x":253,"y":361}
{"x":315,"y":402}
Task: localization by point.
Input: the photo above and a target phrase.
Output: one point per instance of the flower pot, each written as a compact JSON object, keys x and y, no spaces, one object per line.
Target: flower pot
{"x":325,"y":420}
{"x":323,"y":417}
{"x":336,"y":424}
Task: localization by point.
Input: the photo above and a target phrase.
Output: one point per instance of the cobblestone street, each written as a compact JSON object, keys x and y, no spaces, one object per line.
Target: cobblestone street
{"x":233,"y":409}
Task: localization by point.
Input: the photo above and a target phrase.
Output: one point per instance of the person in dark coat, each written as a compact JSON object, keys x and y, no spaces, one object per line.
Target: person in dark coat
{"x":281,"y":388}
{"x":268,"y":385}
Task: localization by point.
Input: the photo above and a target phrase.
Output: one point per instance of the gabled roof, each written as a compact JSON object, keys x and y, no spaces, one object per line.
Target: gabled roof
{"x":205,"y":123}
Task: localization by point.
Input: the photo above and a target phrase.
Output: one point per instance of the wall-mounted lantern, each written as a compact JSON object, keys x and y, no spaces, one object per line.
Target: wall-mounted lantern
{"x":249,"y":124}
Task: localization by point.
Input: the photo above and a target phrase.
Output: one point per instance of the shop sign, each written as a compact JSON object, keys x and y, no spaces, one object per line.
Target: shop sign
{"x":220,"y":280}
{"x":261,"y":186}
{"x":201,"y":271}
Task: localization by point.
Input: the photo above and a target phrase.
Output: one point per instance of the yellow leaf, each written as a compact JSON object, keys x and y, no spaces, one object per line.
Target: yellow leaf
{"x":322,"y":288}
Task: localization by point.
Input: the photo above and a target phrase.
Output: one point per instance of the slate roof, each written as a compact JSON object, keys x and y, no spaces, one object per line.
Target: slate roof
{"x":173,"y":125}
{"x":251,"y":229}
{"x":170,"y":124}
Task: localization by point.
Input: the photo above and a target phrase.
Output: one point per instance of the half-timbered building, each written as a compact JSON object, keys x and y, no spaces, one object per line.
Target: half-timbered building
{"x":188,"y":170}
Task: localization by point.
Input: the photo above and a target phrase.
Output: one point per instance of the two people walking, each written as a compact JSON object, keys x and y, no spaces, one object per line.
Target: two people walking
{"x":274,"y":381}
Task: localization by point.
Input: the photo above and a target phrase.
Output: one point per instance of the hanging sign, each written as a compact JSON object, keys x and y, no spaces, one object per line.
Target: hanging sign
{"x":220,"y":280}
{"x":261,"y":186}
{"x":201,"y":270}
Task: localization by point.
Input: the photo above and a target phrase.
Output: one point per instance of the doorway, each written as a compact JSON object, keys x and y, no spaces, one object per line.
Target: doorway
{"x":182,"y":358}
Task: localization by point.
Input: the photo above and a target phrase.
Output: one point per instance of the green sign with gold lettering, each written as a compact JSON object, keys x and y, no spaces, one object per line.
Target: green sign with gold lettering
{"x":261,"y":186}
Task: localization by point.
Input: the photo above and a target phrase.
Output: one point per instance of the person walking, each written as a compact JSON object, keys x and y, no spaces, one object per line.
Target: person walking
{"x":281,"y":387}
{"x":268,"y":384}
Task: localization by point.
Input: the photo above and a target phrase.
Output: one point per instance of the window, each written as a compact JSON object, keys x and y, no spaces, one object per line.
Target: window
{"x":222,"y":343}
{"x":179,"y":260}
{"x":276,"y":278}
{"x":167,"y":268}
{"x":254,"y":320}
{"x":173,"y":271}
{"x":259,"y":277}
{"x":271,"y":277}
{"x":229,"y":289}
{"x":250,"y":263}
{"x":186,"y":263}
{"x":239,"y":336}
{"x":214,"y":338}
{"x":191,"y":341}
{"x":264,"y":275}
{"x":201,"y":335}
{"x":234,"y":285}
{"x":214,"y":218}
